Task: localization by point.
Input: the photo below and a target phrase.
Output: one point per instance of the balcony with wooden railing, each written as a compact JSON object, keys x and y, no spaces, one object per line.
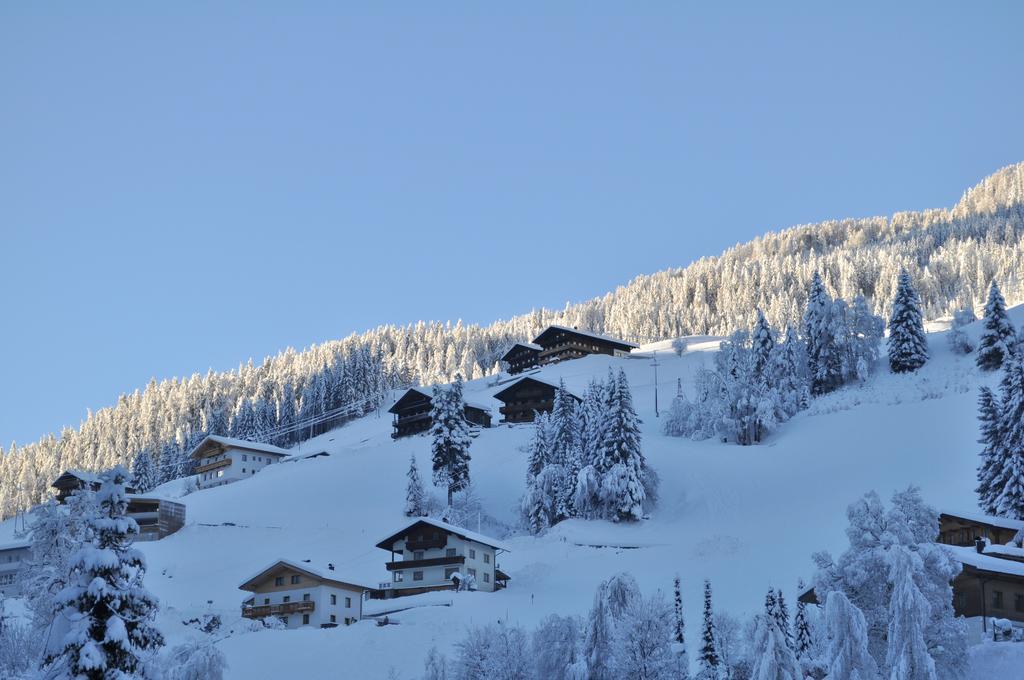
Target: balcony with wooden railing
{"x":430,"y":562}
{"x":282,"y":609}
{"x":215,"y":465}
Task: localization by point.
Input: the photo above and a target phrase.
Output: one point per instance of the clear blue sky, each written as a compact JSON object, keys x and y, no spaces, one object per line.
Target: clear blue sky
{"x":188,"y":185}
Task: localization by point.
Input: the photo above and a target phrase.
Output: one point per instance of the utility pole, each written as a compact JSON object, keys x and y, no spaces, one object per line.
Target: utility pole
{"x":654,"y":363}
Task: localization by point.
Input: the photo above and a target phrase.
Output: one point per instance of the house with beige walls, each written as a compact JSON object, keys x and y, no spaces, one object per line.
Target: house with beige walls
{"x":222,"y":460}
{"x":300,"y":593}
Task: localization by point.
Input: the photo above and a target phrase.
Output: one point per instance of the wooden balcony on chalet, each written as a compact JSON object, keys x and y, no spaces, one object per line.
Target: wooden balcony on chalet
{"x":282,"y":609}
{"x":430,"y":562}
{"x":426,"y":543}
{"x":215,"y":465}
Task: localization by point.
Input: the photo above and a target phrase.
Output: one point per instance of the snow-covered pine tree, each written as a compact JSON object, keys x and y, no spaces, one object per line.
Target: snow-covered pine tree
{"x":168,"y":465}
{"x":144,"y":475}
{"x":565,"y":450}
{"x":110,"y":611}
{"x":1008,"y":480}
{"x":415,"y":494}
{"x":804,"y":642}
{"x":864,"y":338}
{"x":848,"y":655}
{"x":959,"y":341}
{"x":677,"y":421}
{"x":907,"y":656}
{"x":823,"y":361}
{"x":908,"y":345}
{"x":708,"y":662}
{"x":773,"y":657}
{"x":788,"y":370}
{"x":621,"y":455}
{"x":682,"y":664}
{"x":762,"y":343}
{"x":989,"y":413}
{"x":997,"y":335}
{"x":451,"y":439}
{"x":782,"y":618}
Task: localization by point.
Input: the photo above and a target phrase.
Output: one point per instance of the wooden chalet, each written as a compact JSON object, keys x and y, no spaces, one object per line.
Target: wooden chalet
{"x":963,"y":529}
{"x":559,"y":343}
{"x":412,"y":413}
{"x":526,"y":397}
{"x":522,"y":356}
{"x":73,"y":480}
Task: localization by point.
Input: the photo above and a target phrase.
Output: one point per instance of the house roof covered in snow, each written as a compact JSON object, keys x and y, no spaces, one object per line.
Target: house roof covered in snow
{"x":418,"y":393}
{"x":1011,"y":552}
{"x":539,"y":340}
{"x":970,"y":557}
{"x":321,"y":572}
{"x":531,"y":346}
{"x":980,"y":518}
{"x":217,"y":441}
{"x":386,"y":543}
{"x":16,"y":545}
{"x":524,"y":380}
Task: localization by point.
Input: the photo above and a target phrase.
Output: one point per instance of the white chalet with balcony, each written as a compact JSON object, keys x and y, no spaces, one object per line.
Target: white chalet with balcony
{"x":427,"y":555}
{"x":301,"y":593}
{"x":222,"y":460}
{"x":13,"y":557}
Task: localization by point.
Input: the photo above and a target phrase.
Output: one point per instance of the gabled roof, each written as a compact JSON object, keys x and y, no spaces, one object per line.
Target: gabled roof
{"x":970,"y":557}
{"x":521,"y":345}
{"x":603,"y":338}
{"x":501,"y":395}
{"x":322,"y":573}
{"x":232,"y":443}
{"x":409,"y":394}
{"x":444,"y":526}
{"x":16,"y":545}
{"x":80,"y":475}
{"x":980,"y":518}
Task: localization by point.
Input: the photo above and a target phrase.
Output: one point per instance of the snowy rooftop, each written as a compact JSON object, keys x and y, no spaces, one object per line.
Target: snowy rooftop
{"x":322,"y":571}
{"x":597,"y":336}
{"x":970,"y":556}
{"x":981,"y":518}
{"x":534,"y":378}
{"x":444,"y":526}
{"x":528,"y":345}
{"x":231,"y":442}
{"x":1005,"y":551}
{"x":15,"y":545}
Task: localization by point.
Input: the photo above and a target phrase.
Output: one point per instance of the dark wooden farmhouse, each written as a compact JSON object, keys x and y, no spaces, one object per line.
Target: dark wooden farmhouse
{"x":559,"y":343}
{"x":964,"y":529}
{"x":412,"y":413}
{"x":525,"y":397}
{"x":522,"y":356}
{"x":73,"y":480}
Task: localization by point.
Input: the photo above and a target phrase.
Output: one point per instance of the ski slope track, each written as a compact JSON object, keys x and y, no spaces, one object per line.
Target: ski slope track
{"x":745,"y":517}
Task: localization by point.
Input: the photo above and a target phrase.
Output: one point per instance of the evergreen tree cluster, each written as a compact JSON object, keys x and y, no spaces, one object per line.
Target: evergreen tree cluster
{"x":1001,"y":471}
{"x":586,"y":460}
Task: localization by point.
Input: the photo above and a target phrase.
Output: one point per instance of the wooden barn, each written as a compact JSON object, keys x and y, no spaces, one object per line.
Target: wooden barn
{"x":522,"y":356}
{"x":525,"y":397}
{"x":412,"y":413}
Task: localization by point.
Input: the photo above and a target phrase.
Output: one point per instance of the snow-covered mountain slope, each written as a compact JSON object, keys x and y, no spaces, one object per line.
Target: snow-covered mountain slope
{"x":745,"y":517}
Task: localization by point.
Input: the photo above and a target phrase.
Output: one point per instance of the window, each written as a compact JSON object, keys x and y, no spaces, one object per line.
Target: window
{"x":305,"y":597}
{"x":487,"y":558}
{"x":1018,"y":602}
{"x":243,"y":471}
{"x":279,"y":581}
{"x":472,"y":554}
{"x":244,"y":458}
{"x":334,"y":619}
{"x":287,"y":598}
{"x":417,"y":555}
{"x":305,"y":619}
{"x":997,"y":599}
{"x":960,"y":600}
{"x":398,"y":577}
{"x":348,"y":602}
{"x":334,"y":599}
{"x":417,"y":576}
{"x":471,"y":572}
{"x":266,"y":600}
{"x":220,"y":473}
{"x":450,"y":552}
{"x":487,"y":577}
{"x":295,"y":579}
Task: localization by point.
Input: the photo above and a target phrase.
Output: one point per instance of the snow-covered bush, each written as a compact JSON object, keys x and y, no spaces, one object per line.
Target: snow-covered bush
{"x":556,"y":646}
{"x":643,"y":641}
{"x":497,"y":650}
{"x":679,"y":346}
{"x":959,"y":341}
{"x":195,"y":660}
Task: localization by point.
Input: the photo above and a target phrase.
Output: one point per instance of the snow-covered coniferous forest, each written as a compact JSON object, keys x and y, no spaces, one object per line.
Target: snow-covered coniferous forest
{"x":757,"y":491}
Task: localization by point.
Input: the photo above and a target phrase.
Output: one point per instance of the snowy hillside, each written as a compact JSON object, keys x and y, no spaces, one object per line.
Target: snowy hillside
{"x":745,"y":517}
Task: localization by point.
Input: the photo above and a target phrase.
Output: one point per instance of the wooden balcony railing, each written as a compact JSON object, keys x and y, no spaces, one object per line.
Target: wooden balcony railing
{"x":213,"y":466}
{"x":263,"y":610}
{"x":432,"y":562}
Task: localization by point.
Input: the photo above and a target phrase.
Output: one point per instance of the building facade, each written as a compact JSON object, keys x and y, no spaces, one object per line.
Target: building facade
{"x":302,"y":594}
{"x":223,"y":460}
{"x":13,"y":557}
{"x":523,"y":399}
{"x":522,"y":356}
{"x":71,"y":481}
{"x":428,"y":555}
{"x":412,"y":413}
{"x":560,"y":343}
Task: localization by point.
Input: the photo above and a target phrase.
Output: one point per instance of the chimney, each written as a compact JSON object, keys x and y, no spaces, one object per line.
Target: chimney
{"x":979,"y":544}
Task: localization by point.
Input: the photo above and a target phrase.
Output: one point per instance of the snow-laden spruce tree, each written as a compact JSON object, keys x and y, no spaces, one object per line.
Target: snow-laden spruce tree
{"x":57,"y":533}
{"x":782,"y":619}
{"x":679,"y":631}
{"x":789,"y":375}
{"x":803,"y":643}
{"x":643,"y":641}
{"x":109,"y":610}
{"x":565,"y":451}
{"x":415,"y":494}
{"x":959,"y":341}
{"x":773,"y":657}
{"x":989,"y":413}
{"x":824,"y":360}
{"x":762,"y":343}
{"x":878,"y":536}
{"x":864,"y":339}
{"x":708,"y":663}
{"x":450,"y":439}
{"x":144,"y":474}
{"x":907,"y":656}
{"x":847,"y":655}
{"x":621,"y":458}
{"x":1007,"y":485}
{"x":612,"y":600}
{"x":908,"y":345}
{"x":997,"y":335}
